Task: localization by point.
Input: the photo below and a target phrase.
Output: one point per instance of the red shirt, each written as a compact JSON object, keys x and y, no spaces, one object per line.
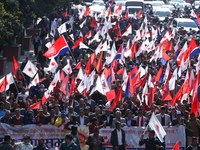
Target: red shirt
{"x":92,"y":126}
{"x":17,"y":121}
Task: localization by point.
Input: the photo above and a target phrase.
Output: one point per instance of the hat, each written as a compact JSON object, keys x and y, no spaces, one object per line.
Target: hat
{"x":162,"y":107}
{"x":63,"y":112}
{"x":172,"y":107}
{"x":125,"y":104}
{"x":40,"y":110}
{"x":178,"y":112}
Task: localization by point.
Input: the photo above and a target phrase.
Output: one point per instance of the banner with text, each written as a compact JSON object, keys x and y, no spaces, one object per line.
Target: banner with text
{"x":133,"y":136}
{"x":54,"y":136}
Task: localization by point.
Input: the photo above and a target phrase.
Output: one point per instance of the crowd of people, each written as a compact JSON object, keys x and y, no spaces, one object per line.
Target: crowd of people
{"x":133,"y":108}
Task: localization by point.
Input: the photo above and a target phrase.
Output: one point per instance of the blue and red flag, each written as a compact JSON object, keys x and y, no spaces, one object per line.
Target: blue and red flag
{"x":110,"y":2}
{"x":194,"y":49}
{"x":159,"y":76}
{"x":59,"y":48}
{"x":119,"y":53}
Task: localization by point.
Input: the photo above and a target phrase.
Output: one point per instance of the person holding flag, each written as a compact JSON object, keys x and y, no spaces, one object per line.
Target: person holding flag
{"x":194,"y":145}
{"x":151,"y":143}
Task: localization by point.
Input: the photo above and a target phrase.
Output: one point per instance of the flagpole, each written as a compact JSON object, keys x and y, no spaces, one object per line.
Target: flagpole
{"x":146,"y":129}
{"x":15,"y":84}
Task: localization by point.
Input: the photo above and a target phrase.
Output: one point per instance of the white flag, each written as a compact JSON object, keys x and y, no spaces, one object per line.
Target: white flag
{"x":9,"y":81}
{"x":30,"y":69}
{"x":80,"y":74}
{"x":62,"y":28}
{"x":98,"y":87}
{"x":35,"y":81}
{"x":52,"y":65}
{"x":82,"y":45}
{"x":67,"y":69}
{"x":54,"y":82}
{"x":155,"y":125}
{"x":104,"y":84}
{"x":111,"y":55}
{"x":83,"y":84}
{"x":81,"y":25}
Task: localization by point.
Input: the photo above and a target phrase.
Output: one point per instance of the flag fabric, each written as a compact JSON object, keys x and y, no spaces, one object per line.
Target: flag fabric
{"x":194,"y":49}
{"x":126,"y":15}
{"x":111,"y":95}
{"x":54,"y":81}
{"x":94,"y":23}
{"x":52,"y":65}
{"x":78,"y":66}
{"x":83,"y":46}
{"x":58,"y":48}
{"x":15,"y":65}
{"x":35,"y":106}
{"x":159,"y":76}
{"x":64,"y":85}
{"x":155,"y":125}
{"x":65,"y":14}
{"x":99,"y":63}
{"x":67,"y":69}
{"x":139,"y":13}
{"x":72,"y":86}
{"x":118,"y":98}
{"x":176,"y":146}
{"x":62,"y":75}
{"x":30,"y":69}
{"x":45,"y":96}
{"x":62,"y":29}
{"x":3,"y":84}
{"x":89,"y":34}
{"x":78,"y":42}
{"x":35,"y":81}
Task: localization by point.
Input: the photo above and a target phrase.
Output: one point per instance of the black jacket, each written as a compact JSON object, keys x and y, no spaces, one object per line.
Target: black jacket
{"x":114,"y":139}
{"x":48,"y":119}
{"x":6,"y":146}
{"x":37,"y":148}
{"x":104,"y":118}
{"x":64,"y":146}
{"x":150,"y":144}
{"x":133,"y":122}
{"x":190,"y":147}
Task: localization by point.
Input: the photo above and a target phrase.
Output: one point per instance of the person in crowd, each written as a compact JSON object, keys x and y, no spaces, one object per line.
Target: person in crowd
{"x":178,"y":120}
{"x":6,"y":145}
{"x":93,"y":124}
{"x":2,"y":110}
{"x":36,"y":43}
{"x":151,"y":142}
{"x":140,"y":119}
{"x":194,"y":145}
{"x":95,"y":140}
{"x":96,"y":114}
{"x":29,"y":119}
{"x":25,"y":145}
{"x":118,"y":137}
{"x":75,"y":137}
{"x":129,"y":120}
{"x":82,"y":119}
{"x":108,"y":117}
{"x":68,"y":144}
{"x":41,"y":145}
{"x":192,"y":128}
{"x":40,"y":118}
{"x":17,"y":119}
{"x":118,"y":118}
{"x":51,"y":118}
{"x":163,"y":118}
{"x":7,"y":118}
{"x":63,"y":119}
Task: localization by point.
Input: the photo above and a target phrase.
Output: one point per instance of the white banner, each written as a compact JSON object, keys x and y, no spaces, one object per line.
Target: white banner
{"x":54,"y":136}
{"x":133,"y":135}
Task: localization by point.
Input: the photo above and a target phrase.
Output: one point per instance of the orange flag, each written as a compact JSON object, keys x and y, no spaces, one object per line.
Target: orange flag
{"x":15,"y":65}
{"x":99,"y":63}
{"x":118,"y":98}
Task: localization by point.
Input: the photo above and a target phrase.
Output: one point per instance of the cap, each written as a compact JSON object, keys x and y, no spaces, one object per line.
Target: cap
{"x":63,"y":112}
{"x":178,"y":112}
{"x":172,"y":107}
{"x":125,"y":104}
{"x":162,"y":107}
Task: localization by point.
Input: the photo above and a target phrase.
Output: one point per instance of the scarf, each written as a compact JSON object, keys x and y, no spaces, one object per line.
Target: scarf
{"x":139,"y":120}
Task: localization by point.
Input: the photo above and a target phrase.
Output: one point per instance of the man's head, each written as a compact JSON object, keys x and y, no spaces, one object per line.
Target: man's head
{"x":118,"y":114}
{"x":118,"y":125}
{"x":30,"y":116}
{"x":162,"y":110}
{"x":192,"y":116}
{"x":151,"y":134}
{"x":52,"y":113}
{"x":23,"y":90}
{"x":140,"y":112}
{"x":63,"y":114}
{"x":68,"y":138}
{"x":194,"y":141}
{"x":97,"y":111}
{"x":41,"y":142}
{"x":172,"y":109}
{"x":178,"y":114}
{"x":129,"y":114}
{"x":17,"y":112}
{"x":7,"y":138}
{"x":26,"y":138}
{"x":7,"y":114}
{"x":81,"y":102}
{"x":40,"y":112}
{"x":71,"y":109}
{"x":96,"y":131}
{"x":107,"y":111}
{"x":81,"y":112}
{"x":94,"y":120}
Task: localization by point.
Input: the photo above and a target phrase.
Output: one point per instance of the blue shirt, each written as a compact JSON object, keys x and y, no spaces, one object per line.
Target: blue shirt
{"x":2,"y":113}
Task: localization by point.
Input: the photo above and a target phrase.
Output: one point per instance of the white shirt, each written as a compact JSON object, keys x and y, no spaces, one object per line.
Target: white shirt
{"x":108,"y":119}
{"x":89,"y":101}
{"x":119,"y":136}
{"x":81,"y":121}
{"x":22,"y":146}
{"x":140,"y":119}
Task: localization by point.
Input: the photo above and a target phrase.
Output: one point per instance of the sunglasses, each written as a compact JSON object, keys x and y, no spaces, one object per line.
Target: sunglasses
{"x":25,"y":138}
{"x":80,"y":112}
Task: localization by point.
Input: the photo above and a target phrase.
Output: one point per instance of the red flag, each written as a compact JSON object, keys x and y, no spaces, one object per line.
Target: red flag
{"x":132,"y":82}
{"x":126,"y":16}
{"x":119,"y":34}
{"x":72,"y":86}
{"x":88,"y":67}
{"x":89,"y":34}
{"x":78,"y":42}
{"x":176,"y":147}
{"x":111,"y":95}
{"x":121,"y":71}
{"x":118,"y":10}
{"x":141,"y":82}
{"x":133,"y":49}
{"x":159,"y":74}
{"x":62,"y":75}
{"x":65,"y":14}
{"x":99,"y":63}
{"x":146,"y":106}
{"x":35,"y":106}
{"x":109,"y":12}
{"x":78,"y":66}
{"x":166,"y":57}
{"x":118,"y":98}
{"x":3,"y":84}
{"x":139,"y":13}
{"x":94,"y":23}
{"x":87,"y":11}
{"x":64,"y":85}
{"x":56,"y":89}
{"x":166,"y":94}
{"x":15,"y":65}
{"x":133,"y":71}
{"x":151,"y":95}
{"x":116,"y":25}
